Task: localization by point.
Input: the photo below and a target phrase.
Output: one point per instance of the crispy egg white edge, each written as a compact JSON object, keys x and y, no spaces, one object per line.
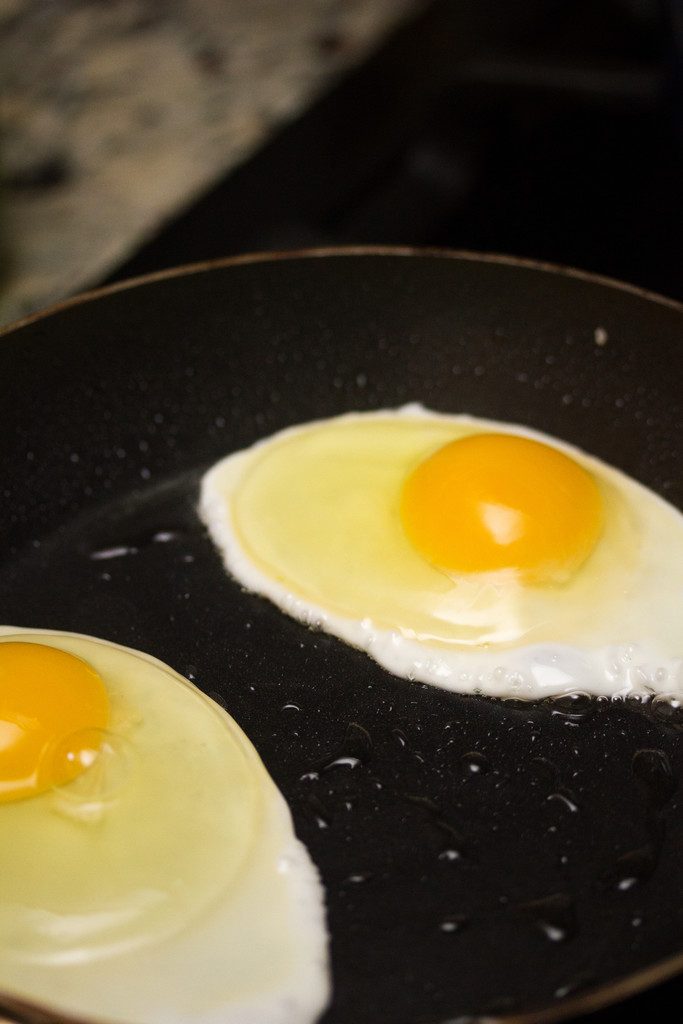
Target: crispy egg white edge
{"x":530,"y":673}
{"x":302,"y":1000}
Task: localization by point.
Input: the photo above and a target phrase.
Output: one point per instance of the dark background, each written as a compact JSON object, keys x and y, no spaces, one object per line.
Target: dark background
{"x":550,"y":129}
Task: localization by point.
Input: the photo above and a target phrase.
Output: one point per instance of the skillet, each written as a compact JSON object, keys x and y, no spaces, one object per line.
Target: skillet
{"x":565,"y":891}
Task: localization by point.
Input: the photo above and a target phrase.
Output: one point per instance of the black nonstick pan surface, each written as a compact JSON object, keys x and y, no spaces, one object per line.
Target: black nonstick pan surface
{"x":484,"y":858}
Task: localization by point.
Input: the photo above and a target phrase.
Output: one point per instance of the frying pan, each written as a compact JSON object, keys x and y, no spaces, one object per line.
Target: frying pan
{"x":563,"y":887}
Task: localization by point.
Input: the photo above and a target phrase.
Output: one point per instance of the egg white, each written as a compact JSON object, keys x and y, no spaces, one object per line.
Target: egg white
{"x":187,"y":899}
{"x":299,"y":518}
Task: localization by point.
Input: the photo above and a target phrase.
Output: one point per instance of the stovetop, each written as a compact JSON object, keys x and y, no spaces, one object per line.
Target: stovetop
{"x":547,"y":129}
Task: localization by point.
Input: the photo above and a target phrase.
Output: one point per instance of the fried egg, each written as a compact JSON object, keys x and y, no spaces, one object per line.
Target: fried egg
{"x":149,"y":871}
{"x":470,"y":554}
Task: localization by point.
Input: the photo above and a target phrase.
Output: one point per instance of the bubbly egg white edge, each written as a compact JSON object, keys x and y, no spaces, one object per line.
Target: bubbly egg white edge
{"x":304,"y":997}
{"x":531,"y":673}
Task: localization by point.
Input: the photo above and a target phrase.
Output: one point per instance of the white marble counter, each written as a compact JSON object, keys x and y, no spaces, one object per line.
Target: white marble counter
{"x":118,"y":114}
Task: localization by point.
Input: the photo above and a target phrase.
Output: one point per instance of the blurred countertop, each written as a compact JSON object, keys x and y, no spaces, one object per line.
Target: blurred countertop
{"x":117,"y":115}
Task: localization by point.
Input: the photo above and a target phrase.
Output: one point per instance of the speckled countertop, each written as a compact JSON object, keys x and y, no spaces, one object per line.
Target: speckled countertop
{"x":116,"y":115}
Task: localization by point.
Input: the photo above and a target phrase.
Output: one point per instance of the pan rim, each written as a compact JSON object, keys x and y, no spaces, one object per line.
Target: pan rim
{"x":322,"y":252}
{"x":20,"y":1011}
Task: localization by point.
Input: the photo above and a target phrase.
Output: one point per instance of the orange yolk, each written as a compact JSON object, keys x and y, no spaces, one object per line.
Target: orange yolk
{"x":50,"y":703}
{"x":490,"y":502}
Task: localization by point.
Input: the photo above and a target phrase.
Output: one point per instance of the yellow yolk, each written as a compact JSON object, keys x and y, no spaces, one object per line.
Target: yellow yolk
{"x":51,"y":705}
{"x":490,"y":502}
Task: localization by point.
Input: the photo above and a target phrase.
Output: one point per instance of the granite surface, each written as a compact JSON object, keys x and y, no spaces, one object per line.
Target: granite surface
{"x":118,"y":114}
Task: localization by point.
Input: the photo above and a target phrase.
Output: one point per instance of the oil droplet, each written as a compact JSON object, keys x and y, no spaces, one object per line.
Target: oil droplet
{"x":355,"y":750}
{"x":653,"y":770}
{"x":343,"y":762}
{"x":400,"y":737}
{"x":573,"y":707}
{"x":320,"y":813}
{"x":565,"y":799}
{"x":576,"y":984}
{"x":515,"y":703}
{"x":632,"y":868}
{"x":446,"y":832}
{"x":668,"y":709}
{"x":475,"y":763}
{"x":554,"y":916}
{"x":119,"y":551}
{"x":453,"y":923}
{"x":165,"y":536}
{"x":425,"y":802}
{"x":133,"y":545}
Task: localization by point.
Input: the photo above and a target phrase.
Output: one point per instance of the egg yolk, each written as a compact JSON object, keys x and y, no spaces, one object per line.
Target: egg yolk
{"x":51,"y":706}
{"x":490,"y":502}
